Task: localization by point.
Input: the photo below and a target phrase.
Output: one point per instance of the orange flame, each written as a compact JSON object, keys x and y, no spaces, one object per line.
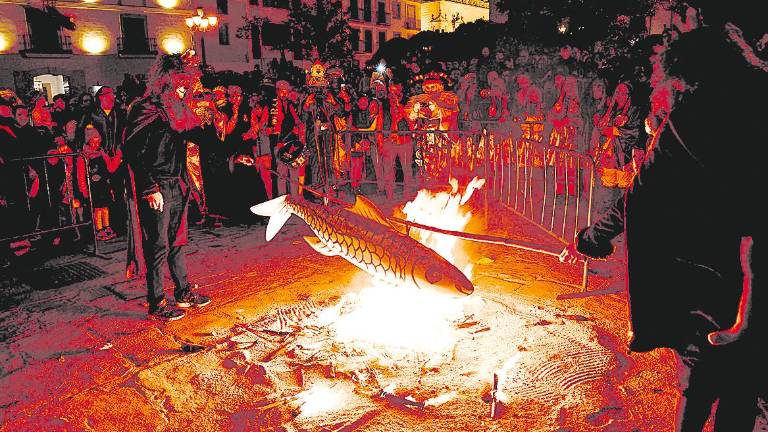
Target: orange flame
{"x":393,"y":321}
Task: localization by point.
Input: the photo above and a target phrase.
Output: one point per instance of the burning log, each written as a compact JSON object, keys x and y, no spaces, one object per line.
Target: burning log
{"x":357,"y":423}
{"x":300,"y":376}
{"x":404,"y":402}
{"x":494,"y":396}
{"x":280,"y":349}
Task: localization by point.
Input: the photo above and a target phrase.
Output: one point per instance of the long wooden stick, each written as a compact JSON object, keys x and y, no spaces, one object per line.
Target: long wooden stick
{"x":480,"y":238}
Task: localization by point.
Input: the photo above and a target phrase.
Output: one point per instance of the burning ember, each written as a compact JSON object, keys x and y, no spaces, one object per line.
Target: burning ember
{"x":320,"y":399}
{"x":340,"y":361}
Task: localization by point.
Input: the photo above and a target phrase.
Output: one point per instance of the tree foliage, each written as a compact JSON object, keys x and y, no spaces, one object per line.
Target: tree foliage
{"x":322,"y":27}
{"x":583,"y":22}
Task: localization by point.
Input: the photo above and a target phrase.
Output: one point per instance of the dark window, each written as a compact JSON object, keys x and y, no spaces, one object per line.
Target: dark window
{"x":282,"y":4}
{"x":354,"y":10}
{"x":368,"y":41}
{"x":134,"y":34}
{"x":224,"y":34}
{"x":274,"y":34}
{"x":354,"y":38}
{"x":222,"y":6}
{"x":367,"y":11}
{"x":381,"y":13}
{"x":253,"y":2}
{"x":45,"y":32}
{"x":382,"y":38}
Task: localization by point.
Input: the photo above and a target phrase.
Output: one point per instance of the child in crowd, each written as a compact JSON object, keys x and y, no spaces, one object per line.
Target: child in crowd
{"x":98,"y":169}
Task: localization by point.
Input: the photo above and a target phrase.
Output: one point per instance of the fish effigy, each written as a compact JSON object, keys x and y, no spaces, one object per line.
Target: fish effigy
{"x":362,"y":235}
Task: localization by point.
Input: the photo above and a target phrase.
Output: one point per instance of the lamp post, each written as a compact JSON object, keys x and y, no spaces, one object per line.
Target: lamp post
{"x":201,"y":23}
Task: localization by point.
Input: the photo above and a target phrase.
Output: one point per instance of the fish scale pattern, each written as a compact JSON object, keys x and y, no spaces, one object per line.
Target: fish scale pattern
{"x":367,"y":244}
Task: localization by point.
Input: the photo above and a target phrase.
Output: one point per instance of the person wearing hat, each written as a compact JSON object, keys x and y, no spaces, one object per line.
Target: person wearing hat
{"x":434,"y":110}
{"x":694,"y":226}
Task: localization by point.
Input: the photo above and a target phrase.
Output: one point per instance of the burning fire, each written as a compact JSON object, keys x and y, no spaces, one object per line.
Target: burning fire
{"x":395,"y":321}
{"x":319,"y":399}
{"x":442,"y":210}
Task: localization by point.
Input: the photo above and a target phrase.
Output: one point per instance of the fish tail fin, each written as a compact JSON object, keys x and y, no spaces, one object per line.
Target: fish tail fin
{"x":278,"y":212}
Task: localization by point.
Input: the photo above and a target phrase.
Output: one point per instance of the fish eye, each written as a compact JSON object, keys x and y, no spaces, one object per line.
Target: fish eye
{"x":433,"y":274}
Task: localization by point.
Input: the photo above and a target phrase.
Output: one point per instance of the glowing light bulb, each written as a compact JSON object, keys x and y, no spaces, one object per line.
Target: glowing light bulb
{"x":213,"y":20}
{"x":173,"y":44}
{"x":168,"y":4}
{"x":5,"y":43}
{"x":94,"y":43}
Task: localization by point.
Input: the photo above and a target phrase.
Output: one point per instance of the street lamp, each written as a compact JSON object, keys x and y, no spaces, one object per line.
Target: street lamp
{"x":201,"y":23}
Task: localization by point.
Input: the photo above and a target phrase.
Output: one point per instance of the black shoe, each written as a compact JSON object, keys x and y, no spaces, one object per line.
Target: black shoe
{"x":190,"y":299}
{"x":163,"y":312}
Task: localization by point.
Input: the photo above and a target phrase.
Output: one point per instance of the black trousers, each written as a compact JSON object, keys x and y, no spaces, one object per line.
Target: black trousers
{"x":727,"y":375}
{"x":164,"y":235}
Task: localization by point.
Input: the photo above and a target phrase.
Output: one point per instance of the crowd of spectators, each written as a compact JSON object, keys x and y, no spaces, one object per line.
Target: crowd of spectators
{"x":60,"y":156}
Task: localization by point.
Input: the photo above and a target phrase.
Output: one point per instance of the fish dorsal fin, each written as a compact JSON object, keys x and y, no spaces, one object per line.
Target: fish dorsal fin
{"x":367,"y":209}
{"x":319,"y":246}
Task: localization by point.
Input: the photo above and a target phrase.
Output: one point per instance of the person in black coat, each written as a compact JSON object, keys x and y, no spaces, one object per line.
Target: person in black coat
{"x":155,"y":149}
{"x":108,"y":119}
{"x":695,"y":239}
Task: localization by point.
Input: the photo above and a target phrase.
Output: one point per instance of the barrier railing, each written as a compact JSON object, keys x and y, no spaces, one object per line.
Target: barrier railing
{"x":549,"y":186}
{"x":35,"y":206}
{"x":366,"y":157}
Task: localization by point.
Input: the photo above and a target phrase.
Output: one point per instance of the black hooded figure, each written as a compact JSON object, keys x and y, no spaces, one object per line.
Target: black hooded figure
{"x":694,"y":232}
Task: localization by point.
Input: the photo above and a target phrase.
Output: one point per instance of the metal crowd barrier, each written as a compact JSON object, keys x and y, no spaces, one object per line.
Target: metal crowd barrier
{"x":434,"y":155}
{"x":48,"y":203}
{"x":548,"y":186}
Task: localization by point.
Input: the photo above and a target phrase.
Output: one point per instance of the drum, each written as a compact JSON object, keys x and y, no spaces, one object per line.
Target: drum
{"x":291,"y":152}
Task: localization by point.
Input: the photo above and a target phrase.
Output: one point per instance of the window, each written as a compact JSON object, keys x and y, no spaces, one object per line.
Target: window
{"x":253,"y":2}
{"x":282,"y":4}
{"x":410,"y":17}
{"x":354,"y":10}
{"x":382,"y":38}
{"x":368,"y":41}
{"x":354,"y":39}
{"x":367,"y":11}
{"x":223,"y":34}
{"x":396,"y":9}
{"x":381,"y":13}
{"x":222,"y":6}
{"x":44,"y":36}
{"x":134,"y":38}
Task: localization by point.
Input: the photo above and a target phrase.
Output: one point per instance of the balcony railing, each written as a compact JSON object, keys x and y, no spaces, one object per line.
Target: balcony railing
{"x":34,"y":44}
{"x":280,"y":4}
{"x":383,"y":17}
{"x":411,"y":24}
{"x":136,"y":46}
{"x":183,"y":4}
